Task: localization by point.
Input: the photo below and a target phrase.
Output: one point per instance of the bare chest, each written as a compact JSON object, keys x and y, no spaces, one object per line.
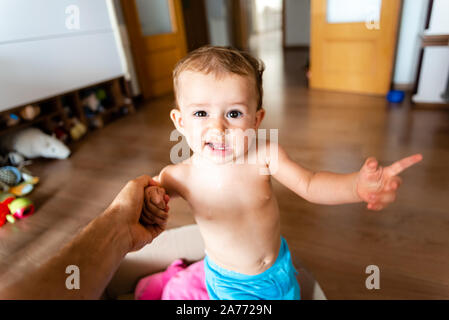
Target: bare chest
{"x":233,"y":189}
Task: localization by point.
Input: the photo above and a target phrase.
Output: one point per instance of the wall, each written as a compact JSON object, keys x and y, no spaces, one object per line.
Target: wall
{"x":297,"y":23}
{"x":268,"y":15}
{"x":218,"y":20}
{"x":408,"y":48}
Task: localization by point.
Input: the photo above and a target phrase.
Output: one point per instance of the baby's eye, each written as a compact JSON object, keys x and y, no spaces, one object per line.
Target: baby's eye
{"x":200,"y":114}
{"x":234,"y":114}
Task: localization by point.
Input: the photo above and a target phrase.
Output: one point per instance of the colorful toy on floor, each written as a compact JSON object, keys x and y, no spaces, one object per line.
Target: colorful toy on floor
{"x":10,"y":175}
{"x":78,"y":129}
{"x":33,"y":143}
{"x":60,"y":132}
{"x":7,"y":198}
{"x":395,"y":96}
{"x":30,"y":112}
{"x":4,"y":211}
{"x":12,"y":208}
{"x":21,"y":208}
{"x":22,"y":189}
{"x":15,"y":158}
{"x":10,"y":119}
{"x":92,"y":105}
{"x":101,"y":94}
{"x":10,"y":181}
{"x":178,"y":282}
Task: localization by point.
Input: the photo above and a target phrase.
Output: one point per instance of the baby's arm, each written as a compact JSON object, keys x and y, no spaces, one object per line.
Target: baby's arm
{"x":317,"y":187}
{"x":173,"y":179}
{"x":372,"y":184}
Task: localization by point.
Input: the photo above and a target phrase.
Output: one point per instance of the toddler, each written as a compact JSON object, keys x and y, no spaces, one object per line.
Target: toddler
{"x":227,"y":180}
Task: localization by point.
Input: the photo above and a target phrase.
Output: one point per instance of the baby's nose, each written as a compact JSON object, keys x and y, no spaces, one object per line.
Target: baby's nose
{"x":217,"y":125}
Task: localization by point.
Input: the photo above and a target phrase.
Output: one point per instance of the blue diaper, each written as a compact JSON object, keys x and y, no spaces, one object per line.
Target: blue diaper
{"x":276,"y":283}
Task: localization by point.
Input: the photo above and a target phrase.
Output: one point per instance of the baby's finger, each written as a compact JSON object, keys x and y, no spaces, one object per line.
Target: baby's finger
{"x":386,"y":197}
{"x":370,"y":165}
{"x":152,"y":205}
{"x":399,"y":166}
{"x":156,"y":212}
{"x":152,"y":218}
{"x":156,"y":196}
{"x":157,"y":217}
{"x":372,"y":172}
{"x":393,"y":183}
{"x":375,"y":206}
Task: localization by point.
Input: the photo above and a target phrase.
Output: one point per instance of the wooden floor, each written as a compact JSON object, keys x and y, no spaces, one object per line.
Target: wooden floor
{"x":408,"y":241}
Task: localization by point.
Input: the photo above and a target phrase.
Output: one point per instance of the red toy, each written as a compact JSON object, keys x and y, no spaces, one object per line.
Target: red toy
{"x":12,"y":208}
{"x":4,"y":211}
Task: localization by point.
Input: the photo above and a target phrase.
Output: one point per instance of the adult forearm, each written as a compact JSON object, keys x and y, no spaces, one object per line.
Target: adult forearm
{"x":96,"y":252}
{"x":333,"y":188}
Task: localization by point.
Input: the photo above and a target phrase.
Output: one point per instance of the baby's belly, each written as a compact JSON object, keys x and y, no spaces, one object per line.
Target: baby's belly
{"x":247,"y":242}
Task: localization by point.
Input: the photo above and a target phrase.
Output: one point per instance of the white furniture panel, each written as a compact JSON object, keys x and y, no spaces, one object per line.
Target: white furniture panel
{"x":434,"y":73}
{"x":439,"y":22}
{"x":31,"y":19}
{"x":34,"y":70}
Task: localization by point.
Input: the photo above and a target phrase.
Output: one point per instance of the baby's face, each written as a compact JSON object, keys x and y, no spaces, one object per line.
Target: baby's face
{"x":215,"y":113}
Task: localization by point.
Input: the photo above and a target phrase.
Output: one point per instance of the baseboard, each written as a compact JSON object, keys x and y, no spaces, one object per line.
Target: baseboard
{"x":407,"y":87}
{"x":289,"y":47}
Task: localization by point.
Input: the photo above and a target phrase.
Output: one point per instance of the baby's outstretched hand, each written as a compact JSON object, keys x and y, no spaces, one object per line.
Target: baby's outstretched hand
{"x":377,"y":185}
{"x":155,"y":208}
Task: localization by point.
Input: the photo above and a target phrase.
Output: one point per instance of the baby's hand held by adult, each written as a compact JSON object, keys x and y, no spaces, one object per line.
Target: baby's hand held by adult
{"x":155,"y":209}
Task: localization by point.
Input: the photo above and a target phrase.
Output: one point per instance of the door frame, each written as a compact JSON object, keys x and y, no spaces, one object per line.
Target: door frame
{"x":138,"y":44}
{"x":239,"y":11}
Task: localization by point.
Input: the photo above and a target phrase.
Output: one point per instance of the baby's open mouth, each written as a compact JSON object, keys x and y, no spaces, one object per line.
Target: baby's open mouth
{"x":220,"y":147}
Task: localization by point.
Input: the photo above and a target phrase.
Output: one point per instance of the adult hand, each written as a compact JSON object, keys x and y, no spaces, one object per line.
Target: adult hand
{"x":377,"y":185}
{"x":127,"y":209}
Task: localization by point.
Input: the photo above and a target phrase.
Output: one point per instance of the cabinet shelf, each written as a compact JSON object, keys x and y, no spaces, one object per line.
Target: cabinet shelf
{"x":117,"y":90}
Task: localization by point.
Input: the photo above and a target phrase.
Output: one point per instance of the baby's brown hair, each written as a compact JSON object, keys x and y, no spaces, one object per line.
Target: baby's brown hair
{"x":221,"y":61}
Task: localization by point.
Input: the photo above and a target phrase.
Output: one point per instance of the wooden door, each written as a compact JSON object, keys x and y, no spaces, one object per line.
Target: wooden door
{"x":353,"y":56}
{"x":240,"y":12}
{"x":157,"y":36}
{"x":195,"y":18}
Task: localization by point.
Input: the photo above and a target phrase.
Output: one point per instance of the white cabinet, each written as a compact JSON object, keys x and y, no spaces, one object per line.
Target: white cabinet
{"x":34,"y":70}
{"x":40,"y":57}
{"x":22,"y":20}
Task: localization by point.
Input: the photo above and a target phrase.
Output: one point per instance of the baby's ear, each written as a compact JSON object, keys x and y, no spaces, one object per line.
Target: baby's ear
{"x":260,"y":114}
{"x":176,"y":117}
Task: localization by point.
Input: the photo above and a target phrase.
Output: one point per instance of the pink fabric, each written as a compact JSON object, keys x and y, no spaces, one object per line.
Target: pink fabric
{"x":178,"y":282}
{"x":188,"y":284}
{"x":151,"y":287}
